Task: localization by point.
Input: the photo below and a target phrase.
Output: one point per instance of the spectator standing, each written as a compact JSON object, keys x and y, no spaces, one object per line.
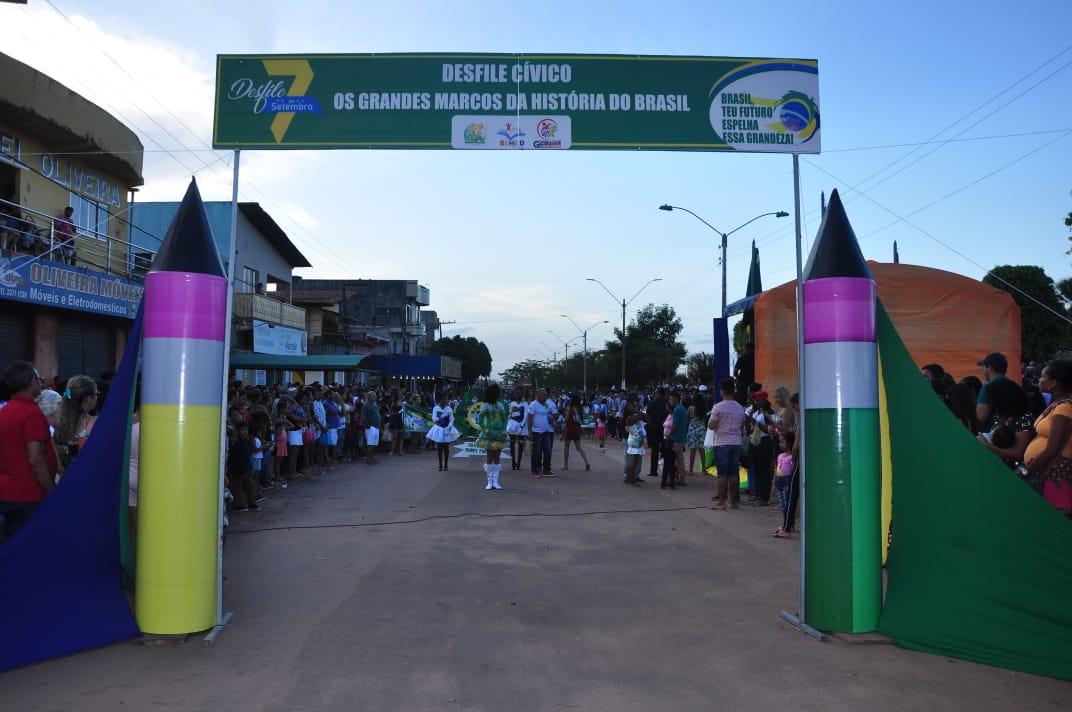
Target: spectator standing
{"x":76,"y":417}
{"x":572,"y":432}
{"x":761,"y":451}
{"x":64,"y":231}
{"x":697,"y":428}
{"x":657,"y":412}
{"x":370,"y":413}
{"x":727,"y":420}
{"x":678,"y":434}
{"x":1049,"y":455}
{"x":995,"y":366}
{"x":744,"y":371}
{"x":25,"y":479}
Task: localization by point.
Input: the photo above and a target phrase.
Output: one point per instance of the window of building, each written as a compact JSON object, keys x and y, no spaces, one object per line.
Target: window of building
{"x":90,"y":217}
{"x":249,"y":280}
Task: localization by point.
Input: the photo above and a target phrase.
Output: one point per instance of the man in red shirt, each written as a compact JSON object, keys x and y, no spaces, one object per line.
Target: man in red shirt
{"x":25,"y":478}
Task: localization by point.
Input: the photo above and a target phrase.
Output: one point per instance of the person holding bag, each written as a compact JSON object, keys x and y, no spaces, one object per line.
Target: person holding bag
{"x":1049,"y":454}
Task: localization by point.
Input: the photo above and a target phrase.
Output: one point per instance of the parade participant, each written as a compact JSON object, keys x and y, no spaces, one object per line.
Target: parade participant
{"x":442,"y":432}
{"x":25,"y":479}
{"x":517,"y":429}
{"x":492,"y":421}
{"x":572,"y":432}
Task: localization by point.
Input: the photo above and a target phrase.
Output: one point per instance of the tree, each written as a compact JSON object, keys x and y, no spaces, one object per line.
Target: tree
{"x":473,"y":354}
{"x":700,"y":367}
{"x":741,"y":336}
{"x":653,"y":351}
{"x":1044,"y":329}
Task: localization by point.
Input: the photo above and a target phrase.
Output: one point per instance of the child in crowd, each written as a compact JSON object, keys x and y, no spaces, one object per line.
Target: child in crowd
{"x":670,"y":464}
{"x":634,"y":448}
{"x":601,"y":432}
{"x":783,"y":474}
{"x":279,"y":462}
{"x":260,"y":448}
{"x":239,"y":468}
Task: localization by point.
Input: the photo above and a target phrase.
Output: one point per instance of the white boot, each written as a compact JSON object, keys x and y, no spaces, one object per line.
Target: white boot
{"x":496,"y":471}
{"x":488,"y":471}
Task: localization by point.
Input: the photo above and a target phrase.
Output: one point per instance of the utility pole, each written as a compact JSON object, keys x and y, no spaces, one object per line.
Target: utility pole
{"x":440,"y":325}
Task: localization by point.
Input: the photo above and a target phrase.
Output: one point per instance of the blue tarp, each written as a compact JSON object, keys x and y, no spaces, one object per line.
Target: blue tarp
{"x":60,"y":575}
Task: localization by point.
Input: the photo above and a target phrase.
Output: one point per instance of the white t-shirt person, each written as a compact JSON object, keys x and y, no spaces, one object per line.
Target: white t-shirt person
{"x":539,"y":415}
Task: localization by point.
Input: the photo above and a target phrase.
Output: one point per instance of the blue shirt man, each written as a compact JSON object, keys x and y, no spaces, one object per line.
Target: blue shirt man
{"x":680,"y":418}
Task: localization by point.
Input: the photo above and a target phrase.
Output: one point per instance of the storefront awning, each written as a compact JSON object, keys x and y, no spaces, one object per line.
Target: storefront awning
{"x":331,"y":362}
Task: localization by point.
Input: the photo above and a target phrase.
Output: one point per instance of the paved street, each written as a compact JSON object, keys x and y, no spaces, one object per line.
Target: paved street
{"x":517,"y":600}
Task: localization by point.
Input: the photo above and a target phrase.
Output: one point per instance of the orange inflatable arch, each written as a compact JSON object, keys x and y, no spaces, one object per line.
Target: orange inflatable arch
{"x":942,"y":317}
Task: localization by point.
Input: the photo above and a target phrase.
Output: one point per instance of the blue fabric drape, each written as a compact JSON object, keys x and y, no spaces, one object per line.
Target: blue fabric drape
{"x":60,"y":575}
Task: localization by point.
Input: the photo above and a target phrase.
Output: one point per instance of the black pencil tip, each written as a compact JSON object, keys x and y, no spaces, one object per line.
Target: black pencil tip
{"x":836,"y":252}
{"x":188,"y":245}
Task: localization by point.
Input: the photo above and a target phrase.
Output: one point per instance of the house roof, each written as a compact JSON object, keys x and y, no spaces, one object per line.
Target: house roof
{"x":273,"y":233}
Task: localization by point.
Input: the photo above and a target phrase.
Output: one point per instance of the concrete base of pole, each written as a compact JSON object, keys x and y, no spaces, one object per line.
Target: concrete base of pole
{"x":802,"y":627}
{"x":217,"y":630}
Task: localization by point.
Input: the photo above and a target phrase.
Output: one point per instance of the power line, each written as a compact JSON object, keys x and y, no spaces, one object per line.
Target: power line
{"x":785,"y":232}
{"x":331,"y":255}
{"x":952,"y":140}
{"x":944,"y":244}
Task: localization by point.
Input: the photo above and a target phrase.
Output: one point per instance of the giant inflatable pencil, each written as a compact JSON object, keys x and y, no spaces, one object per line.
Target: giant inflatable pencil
{"x":843,"y":574}
{"x":182,"y":382}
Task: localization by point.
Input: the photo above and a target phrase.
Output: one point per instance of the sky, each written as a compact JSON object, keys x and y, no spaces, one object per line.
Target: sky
{"x":505,"y":240}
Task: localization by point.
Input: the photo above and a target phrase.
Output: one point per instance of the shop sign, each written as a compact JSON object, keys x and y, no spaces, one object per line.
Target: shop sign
{"x":35,"y":281}
{"x":79,"y":180}
{"x":279,"y":340}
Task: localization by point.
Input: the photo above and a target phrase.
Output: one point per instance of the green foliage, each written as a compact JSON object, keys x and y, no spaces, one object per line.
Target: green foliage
{"x":473,"y":354}
{"x":653,"y":351}
{"x":700,"y":367}
{"x":1043,"y":333}
{"x":741,"y":336}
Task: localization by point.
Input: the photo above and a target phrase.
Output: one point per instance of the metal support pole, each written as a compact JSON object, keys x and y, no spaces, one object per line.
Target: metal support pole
{"x":800,"y":377}
{"x":584,"y":362}
{"x":623,"y":344}
{"x":724,"y":236}
{"x":221,"y":619}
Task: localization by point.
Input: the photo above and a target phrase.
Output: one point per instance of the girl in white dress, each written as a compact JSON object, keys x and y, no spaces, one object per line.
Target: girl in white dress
{"x":517,"y":428}
{"x":442,"y":432}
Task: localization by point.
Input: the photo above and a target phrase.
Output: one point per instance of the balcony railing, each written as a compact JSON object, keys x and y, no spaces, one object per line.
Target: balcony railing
{"x":24,"y":230}
{"x":262,"y":308}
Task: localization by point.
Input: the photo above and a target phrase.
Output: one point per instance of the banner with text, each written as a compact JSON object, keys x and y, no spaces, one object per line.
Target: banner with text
{"x":35,"y":281}
{"x":516,"y":101}
{"x":271,"y":338}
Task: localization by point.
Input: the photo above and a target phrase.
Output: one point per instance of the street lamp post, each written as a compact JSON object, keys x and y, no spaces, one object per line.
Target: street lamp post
{"x":624,"y":305}
{"x":724,"y":235}
{"x":565,"y":345}
{"x":584,"y":335}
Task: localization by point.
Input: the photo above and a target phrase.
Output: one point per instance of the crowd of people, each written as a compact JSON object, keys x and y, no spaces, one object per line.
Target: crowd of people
{"x":278,"y":435}
{"x":1027,"y":424}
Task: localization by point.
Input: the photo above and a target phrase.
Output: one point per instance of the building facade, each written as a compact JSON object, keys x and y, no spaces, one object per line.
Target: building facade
{"x":264,"y":319}
{"x":69,"y":287}
{"x":386,"y":312}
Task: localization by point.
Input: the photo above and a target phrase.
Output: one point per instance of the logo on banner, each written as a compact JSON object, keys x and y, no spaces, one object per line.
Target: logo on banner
{"x":511,"y":134}
{"x":547,"y":131}
{"x":768,"y":106}
{"x":474,"y":133}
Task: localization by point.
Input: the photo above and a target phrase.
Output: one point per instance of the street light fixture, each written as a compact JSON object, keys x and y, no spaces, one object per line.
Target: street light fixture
{"x":584,"y":334}
{"x":778,"y":214}
{"x":624,"y":305}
